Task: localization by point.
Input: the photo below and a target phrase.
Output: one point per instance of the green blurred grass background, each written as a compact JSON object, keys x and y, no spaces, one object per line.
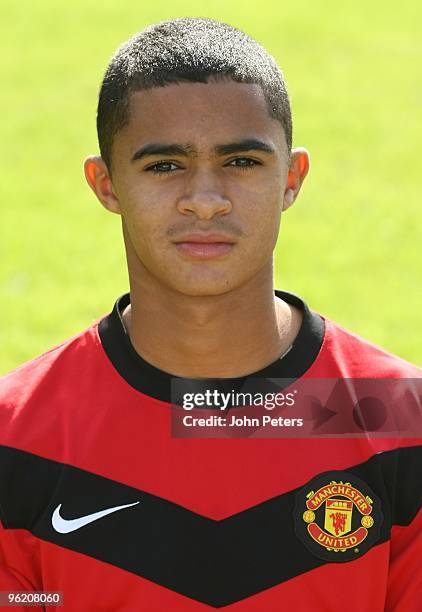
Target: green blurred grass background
{"x":351,"y":244}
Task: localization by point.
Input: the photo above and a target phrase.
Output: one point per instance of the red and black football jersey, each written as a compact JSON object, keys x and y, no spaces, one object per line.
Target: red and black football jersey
{"x":100,"y":501}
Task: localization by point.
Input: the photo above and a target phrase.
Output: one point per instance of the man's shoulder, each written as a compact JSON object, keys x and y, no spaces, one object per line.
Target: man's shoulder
{"x":362,"y":357}
{"x":53,"y":365}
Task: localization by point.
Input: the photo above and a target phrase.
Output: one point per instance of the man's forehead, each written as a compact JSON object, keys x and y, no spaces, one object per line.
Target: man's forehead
{"x":202,"y":115}
{"x":183,"y":88}
{"x":226,"y":101}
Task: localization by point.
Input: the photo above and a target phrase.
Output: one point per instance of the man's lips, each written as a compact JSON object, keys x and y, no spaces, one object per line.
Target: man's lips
{"x":205,"y":246}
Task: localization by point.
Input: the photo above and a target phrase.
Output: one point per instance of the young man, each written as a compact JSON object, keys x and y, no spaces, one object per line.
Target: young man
{"x":98,"y":499}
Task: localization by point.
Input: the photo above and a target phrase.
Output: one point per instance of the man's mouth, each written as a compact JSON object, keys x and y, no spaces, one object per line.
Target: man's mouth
{"x":205,"y":246}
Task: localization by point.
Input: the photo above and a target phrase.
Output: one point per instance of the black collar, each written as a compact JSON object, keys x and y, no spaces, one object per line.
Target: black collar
{"x":156,"y":383}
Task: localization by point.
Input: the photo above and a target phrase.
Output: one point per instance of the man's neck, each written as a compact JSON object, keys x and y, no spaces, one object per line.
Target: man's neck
{"x":225,"y":336}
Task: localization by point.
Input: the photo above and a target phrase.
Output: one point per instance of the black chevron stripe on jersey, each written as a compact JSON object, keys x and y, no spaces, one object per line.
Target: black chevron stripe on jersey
{"x":214,"y":562}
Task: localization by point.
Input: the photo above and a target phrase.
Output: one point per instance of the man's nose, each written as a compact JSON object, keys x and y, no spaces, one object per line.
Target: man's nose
{"x":204,"y":195}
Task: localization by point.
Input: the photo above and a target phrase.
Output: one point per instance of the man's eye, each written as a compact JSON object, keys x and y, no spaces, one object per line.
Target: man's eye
{"x":243,"y":163}
{"x":162,"y":167}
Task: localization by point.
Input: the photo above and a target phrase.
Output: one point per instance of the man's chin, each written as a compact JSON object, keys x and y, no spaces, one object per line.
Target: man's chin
{"x":204,"y":289}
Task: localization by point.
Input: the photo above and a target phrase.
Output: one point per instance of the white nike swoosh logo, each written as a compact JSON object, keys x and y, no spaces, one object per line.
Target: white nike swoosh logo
{"x":67,"y":525}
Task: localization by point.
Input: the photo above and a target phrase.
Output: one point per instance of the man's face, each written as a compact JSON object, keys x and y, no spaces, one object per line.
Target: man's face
{"x":201,"y":188}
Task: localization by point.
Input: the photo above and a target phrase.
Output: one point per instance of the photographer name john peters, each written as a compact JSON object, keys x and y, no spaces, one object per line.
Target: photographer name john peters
{"x":241,"y":421}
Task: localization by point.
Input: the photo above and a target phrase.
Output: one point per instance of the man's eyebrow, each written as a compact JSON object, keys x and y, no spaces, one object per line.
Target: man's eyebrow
{"x":157,"y":148}
{"x":247,"y":144}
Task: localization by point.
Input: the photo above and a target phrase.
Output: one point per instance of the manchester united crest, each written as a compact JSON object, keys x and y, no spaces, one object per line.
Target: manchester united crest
{"x":337,"y":516}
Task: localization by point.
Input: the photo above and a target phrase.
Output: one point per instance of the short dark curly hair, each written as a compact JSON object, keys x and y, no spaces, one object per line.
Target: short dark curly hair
{"x":186,"y":49}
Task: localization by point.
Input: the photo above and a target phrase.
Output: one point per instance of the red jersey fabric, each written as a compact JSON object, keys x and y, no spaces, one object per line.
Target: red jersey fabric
{"x":196,"y":524}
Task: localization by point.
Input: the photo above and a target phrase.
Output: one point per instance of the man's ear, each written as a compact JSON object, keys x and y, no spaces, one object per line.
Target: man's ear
{"x":298,"y":169}
{"x":98,"y":178}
